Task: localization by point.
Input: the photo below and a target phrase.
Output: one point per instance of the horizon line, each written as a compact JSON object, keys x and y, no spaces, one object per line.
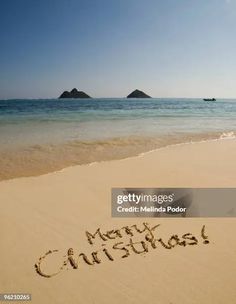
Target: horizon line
{"x":112,"y":97}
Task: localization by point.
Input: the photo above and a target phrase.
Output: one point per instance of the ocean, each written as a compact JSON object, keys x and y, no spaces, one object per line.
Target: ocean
{"x":43,"y":135}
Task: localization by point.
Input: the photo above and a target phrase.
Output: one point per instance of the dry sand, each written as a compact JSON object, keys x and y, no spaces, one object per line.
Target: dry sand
{"x":53,"y":211}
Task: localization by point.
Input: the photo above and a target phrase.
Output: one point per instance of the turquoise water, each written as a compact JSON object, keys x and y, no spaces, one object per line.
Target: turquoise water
{"x":30,"y":122}
{"x":40,"y":136}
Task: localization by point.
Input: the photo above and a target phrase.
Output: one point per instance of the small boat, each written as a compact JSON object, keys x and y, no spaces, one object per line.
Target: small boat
{"x":209,"y":99}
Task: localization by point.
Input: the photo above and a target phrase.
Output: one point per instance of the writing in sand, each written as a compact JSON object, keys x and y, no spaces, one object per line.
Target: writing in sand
{"x":117,"y":244}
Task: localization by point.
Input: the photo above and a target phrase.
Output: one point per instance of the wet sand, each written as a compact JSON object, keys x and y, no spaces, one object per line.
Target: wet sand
{"x":33,"y":160}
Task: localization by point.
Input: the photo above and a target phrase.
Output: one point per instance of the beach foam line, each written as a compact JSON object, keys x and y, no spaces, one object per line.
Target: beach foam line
{"x":224,"y":136}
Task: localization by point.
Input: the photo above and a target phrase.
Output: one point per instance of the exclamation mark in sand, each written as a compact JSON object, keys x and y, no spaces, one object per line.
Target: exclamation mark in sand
{"x":204,"y":236}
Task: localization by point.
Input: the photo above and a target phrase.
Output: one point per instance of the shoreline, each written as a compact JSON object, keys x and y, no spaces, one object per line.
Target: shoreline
{"x":143,"y":156}
{"x":43,"y":159}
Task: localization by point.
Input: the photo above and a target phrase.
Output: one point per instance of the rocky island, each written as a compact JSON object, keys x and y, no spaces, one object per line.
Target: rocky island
{"x":74,"y":94}
{"x":138,"y":94}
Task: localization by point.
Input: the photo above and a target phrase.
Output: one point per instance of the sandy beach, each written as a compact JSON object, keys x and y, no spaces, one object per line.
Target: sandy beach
{"x":53,"y":212}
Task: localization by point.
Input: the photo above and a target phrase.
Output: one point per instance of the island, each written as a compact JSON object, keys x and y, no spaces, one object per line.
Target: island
{"x":74,"y":94}
{"x":138,"y":94}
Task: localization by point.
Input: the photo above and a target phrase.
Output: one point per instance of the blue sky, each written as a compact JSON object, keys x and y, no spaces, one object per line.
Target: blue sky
{"x":168,"y":48}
